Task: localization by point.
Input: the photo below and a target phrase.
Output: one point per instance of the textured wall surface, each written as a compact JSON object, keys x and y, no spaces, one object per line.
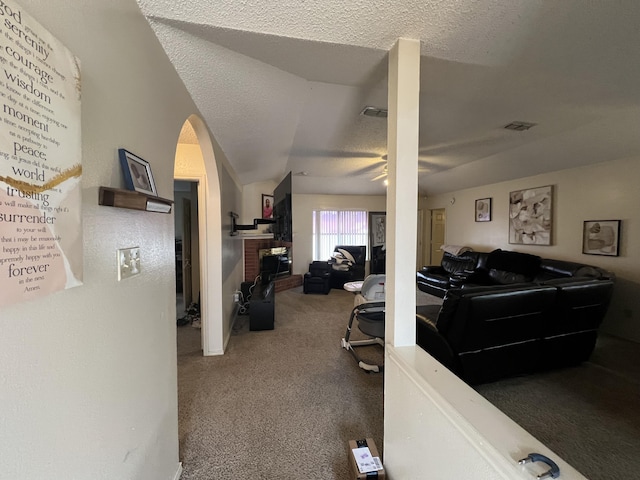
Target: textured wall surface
{"x":88,"y":375}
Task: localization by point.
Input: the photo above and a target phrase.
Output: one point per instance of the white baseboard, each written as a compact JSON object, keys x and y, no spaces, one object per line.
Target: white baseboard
{"x":178,"y":472}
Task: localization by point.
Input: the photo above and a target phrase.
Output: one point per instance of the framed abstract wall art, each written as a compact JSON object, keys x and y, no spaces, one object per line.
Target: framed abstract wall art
{"x":531,"y":216}
{"x":601,"y":237}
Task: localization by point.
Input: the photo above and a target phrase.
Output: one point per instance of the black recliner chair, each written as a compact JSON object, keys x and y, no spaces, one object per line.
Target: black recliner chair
{"x":351,"y":267}
{"x":317,"y":279}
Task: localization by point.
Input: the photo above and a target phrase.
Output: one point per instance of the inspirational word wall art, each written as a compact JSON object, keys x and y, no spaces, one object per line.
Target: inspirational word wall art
{"x":40,"y":160}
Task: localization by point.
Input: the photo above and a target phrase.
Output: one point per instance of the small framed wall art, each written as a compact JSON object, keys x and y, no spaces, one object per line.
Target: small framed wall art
{"x":483,"y":210}
{"x":601,"y":237}
{"x":377,"y":229}
{"x":267,"y":206}
{"x":137,"y":173}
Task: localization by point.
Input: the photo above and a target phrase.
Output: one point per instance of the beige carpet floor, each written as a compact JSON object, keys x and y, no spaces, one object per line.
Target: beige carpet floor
{"x":282,"y":404}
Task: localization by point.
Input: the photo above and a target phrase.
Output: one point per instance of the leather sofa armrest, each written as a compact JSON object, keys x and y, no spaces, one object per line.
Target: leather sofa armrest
{"x":428,"y":338}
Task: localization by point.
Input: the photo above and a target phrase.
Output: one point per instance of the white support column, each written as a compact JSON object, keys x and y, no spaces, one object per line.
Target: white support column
{"x":402,"y":192}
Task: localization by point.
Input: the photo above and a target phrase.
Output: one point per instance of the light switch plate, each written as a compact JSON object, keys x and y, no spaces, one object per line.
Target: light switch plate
{"x":128,"y":262}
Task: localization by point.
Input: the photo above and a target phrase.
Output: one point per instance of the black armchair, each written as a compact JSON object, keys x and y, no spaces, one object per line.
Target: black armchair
{"x":347,"y":264}
{"x":316,"y":280}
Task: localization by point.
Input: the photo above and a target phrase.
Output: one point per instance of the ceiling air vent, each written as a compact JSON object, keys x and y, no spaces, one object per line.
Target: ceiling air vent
{"x":519,"y":126}
{"x":374,"y":112}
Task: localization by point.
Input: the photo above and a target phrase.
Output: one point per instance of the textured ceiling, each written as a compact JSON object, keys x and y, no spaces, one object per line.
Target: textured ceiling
{"x":281,"y":85}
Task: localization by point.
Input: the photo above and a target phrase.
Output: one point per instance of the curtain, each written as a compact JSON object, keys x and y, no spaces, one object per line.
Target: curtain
{"x":338,"y":227}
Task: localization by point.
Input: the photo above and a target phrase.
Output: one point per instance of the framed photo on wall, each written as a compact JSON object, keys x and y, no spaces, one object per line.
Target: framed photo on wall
{"x":601,"y":237}
{"x":377,"y":228}
{"x":531,"y":216}
{"x":267,"y":206}
{"x":377,"y":240}
{"x":483,"y":210}
{"x":137,"y":173}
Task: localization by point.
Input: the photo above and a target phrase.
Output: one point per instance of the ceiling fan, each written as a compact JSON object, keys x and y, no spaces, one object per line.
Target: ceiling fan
{"x":376,"y":163}
{"x":385,"y":171}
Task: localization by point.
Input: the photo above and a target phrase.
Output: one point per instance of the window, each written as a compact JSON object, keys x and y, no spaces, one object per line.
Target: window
{"x":337,"y":227}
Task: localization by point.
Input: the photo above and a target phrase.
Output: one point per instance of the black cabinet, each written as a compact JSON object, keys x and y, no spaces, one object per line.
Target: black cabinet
{"x":262,"y":307}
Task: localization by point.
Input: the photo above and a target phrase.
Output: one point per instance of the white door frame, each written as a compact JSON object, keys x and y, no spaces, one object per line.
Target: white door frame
{"x":210,"y":237}
{"x":201,"y":181}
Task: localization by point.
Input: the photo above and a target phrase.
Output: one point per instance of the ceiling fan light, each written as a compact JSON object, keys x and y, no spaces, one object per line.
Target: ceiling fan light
{"x":386,"y":182}
{"x":374,"y":112}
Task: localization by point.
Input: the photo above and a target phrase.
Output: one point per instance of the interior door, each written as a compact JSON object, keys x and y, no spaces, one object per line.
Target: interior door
{"x":187,"y":286}
{"x":437,"y":235}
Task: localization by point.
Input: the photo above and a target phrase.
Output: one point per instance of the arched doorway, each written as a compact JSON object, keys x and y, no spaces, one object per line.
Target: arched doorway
{"x":195,"y":162}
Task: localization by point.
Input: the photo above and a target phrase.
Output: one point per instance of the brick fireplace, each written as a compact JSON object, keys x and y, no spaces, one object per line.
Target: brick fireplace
{"x":251,"y":247}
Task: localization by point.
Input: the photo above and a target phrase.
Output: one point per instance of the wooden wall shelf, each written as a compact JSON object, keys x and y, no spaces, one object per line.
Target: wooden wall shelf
{"x":120,"y":198}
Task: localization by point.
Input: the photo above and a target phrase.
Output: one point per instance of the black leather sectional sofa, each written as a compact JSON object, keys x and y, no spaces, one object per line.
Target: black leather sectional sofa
{"x":499,"y":267}
{"x":511,"y":313}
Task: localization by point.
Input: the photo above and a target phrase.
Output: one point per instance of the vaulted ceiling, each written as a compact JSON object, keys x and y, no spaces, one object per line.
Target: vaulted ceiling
{"x":282,"y":85}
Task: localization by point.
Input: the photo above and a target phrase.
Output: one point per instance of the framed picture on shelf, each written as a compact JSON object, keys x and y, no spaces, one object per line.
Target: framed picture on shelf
{"x":483,"y":210}
{"x":531,"y":216}
{"x":137,"y":173}
{"x":267,"y":206}
{"x":601,"y":237}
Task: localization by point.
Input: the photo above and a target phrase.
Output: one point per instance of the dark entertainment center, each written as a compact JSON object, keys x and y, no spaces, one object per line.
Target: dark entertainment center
{"x":273,"y":260}
{"x":283,"y":228}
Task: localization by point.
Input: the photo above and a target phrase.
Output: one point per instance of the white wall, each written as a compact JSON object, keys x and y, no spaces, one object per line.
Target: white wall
{"x":88,"y":375}
{"x":606,"y":191}
{"x":303,"y":207}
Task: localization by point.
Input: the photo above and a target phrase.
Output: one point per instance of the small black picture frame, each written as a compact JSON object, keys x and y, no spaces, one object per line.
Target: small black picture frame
{"x":137,"y":173}
{"x":483,"y":210}
{"x":601,"y":237}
